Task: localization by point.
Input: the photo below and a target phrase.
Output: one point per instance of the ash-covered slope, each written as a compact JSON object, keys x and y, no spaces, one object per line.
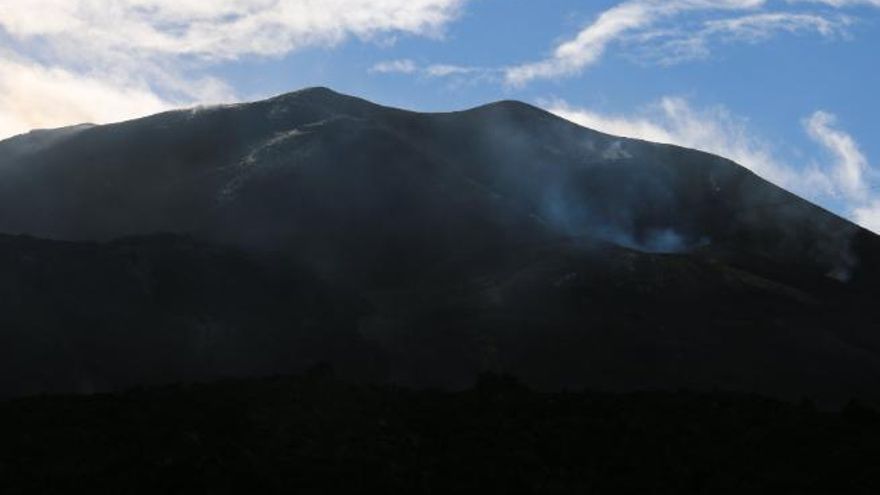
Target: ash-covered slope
{"x":500,"y":238}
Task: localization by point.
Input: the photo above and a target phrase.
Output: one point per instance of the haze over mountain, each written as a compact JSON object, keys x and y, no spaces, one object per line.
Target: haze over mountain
{"x":421,"y":249}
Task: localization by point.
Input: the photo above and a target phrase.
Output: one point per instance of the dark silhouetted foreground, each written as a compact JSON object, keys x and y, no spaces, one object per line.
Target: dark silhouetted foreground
{"x":315,"y":434}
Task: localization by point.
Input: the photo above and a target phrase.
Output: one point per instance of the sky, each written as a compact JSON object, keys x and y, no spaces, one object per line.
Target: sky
{"x":786,"y":88}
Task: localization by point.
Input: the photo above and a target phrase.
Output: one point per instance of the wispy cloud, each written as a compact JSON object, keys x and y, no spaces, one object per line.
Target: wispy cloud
{"x":137,"y":56}
{"x":759,"y":27}
{"x":694,"y":41}
{"x":840,"y":3}
{"x":632,"y":21}
{"x":590,"y":44}
{"x":851,"y":173}
{"x":671,"y":31}
{"x":850,"y":165}
{"x":407,"y":66}
{"x":842,"y":182}
{"x":445,"y":70}
{"x":402,"y":66}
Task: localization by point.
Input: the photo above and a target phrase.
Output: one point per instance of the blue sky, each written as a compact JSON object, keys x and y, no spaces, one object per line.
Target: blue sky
{"x":785,"y":87}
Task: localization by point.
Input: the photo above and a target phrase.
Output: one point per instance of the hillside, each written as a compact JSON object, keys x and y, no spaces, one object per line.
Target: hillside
{"x":420,"y":249}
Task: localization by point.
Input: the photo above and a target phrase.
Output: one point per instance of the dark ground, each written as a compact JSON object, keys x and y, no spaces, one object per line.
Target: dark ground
{"x":316,"y":434}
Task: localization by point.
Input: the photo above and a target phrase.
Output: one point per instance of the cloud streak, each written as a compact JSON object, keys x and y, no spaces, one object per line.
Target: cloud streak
{"x":402,"y":66}
{"x":672,"y":46}
{"x":851,"y":172}
{"x":850,"y":165}
{"x":645,"y":27}
{"x":840,"y":3}
{"x":587,"y":48}
{"x":407,"y":66}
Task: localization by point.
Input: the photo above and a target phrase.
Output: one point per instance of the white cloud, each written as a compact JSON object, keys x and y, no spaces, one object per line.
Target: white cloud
{"x":223,"y":30}
{"x":573,"y":56}
{"x":403,"y":66}
{"x":758,"y":27}
{"x":716,"y":130}
{"x":672,"y":46}
{"x":850,"y":165}
{"x":840,"y":3}
{"x":407,"y":66}
{"x":632,"y":24}
{"x":106,"y":60}
{"x":34,"y":96}
{"x":444,"y":70}
{"x":37,"y":95}
{"x":868,"y":215}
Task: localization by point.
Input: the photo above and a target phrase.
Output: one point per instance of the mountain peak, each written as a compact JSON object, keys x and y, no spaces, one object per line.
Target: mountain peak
{"x":516,"y":109}
{"x":320,"y":94}
{"x":314,"y":91}
{"x":322,"y":99}
{"x":507,"y":105}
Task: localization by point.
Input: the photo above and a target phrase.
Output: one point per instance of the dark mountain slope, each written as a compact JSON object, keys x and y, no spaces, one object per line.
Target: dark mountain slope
{"x":36,"y":140}
{"x":500,"y":238}
{"x":90,"y":317}
{"x":205,"y":171}
{"x":85,"y":317}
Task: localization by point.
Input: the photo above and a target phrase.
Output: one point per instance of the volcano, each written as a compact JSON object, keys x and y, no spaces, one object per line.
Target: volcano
{"x":419,"y":249}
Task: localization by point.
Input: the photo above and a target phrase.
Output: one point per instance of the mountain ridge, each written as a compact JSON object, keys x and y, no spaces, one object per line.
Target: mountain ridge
{"x":325,"y":95}
{"x":499,"y":238}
